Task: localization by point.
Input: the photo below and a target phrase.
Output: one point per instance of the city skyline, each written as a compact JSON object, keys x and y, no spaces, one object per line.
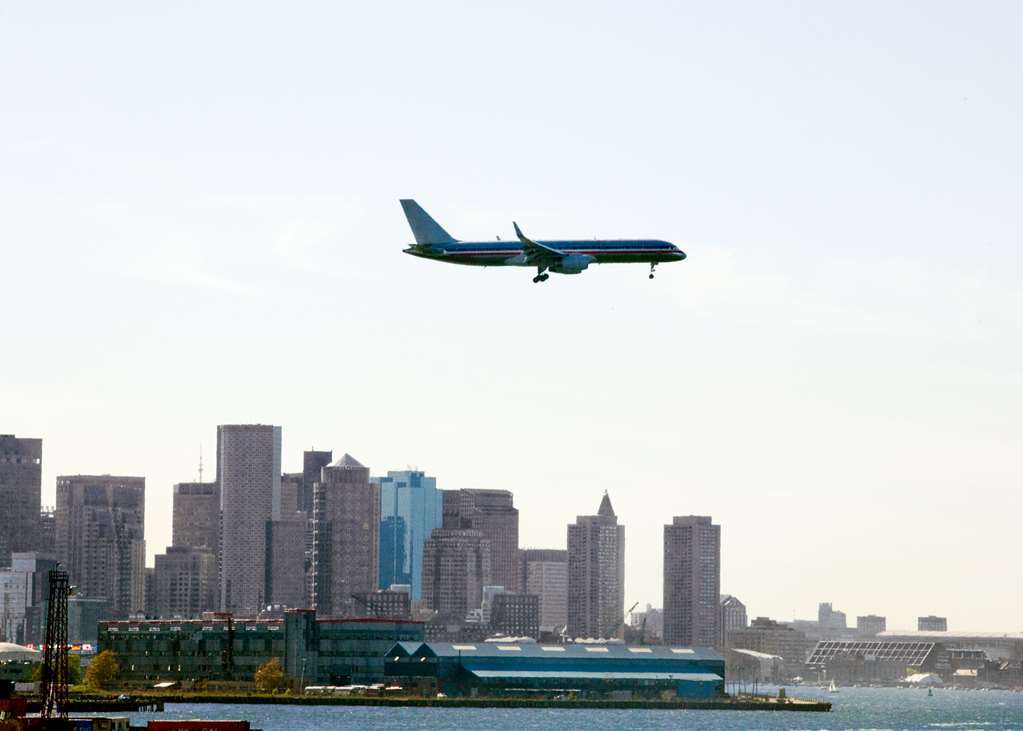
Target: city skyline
{"x":202,"y":491}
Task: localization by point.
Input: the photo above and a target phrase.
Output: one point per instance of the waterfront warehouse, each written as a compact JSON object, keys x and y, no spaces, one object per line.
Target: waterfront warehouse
{"x":591,"y":669}
{"x":221,"y":647}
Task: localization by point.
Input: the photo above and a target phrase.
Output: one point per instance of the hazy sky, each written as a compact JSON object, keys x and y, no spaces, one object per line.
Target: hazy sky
{"x":199,"y":224}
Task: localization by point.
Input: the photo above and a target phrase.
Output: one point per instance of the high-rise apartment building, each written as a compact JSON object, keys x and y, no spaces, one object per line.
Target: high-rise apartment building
{"x":456,"y":567}
{"x":346,"y":538}
{"x":544,"y":572}
{"x":492,"y":513}
{"x":101,"y":538}
{"x":692,"y":582}
{"x":733,"y":616}
{"x":596,"y":574}
{"x":195,"y":515}
{"x":410,"y":508}
{"x":184,"y":583}
{"x":871,"y":624}
{"x":932,"y":623}
{"x":20,"y":495}
{"x":249,"y":476}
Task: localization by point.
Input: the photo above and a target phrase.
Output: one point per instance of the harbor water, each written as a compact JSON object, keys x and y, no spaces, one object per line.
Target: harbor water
{"x":854,"y":708}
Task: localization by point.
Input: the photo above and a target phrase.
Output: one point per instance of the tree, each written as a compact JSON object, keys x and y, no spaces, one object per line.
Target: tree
{"x":102,"y":671}
{"x":270,"y":676}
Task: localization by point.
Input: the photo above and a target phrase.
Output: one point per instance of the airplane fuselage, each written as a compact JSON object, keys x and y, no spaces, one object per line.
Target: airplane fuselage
{"x":509,"y":253}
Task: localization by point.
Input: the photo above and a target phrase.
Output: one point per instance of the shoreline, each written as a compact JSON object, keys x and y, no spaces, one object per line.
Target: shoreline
{"x":742,"y":704}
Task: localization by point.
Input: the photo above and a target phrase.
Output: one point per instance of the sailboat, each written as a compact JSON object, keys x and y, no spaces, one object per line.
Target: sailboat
{"x":832,"y":688}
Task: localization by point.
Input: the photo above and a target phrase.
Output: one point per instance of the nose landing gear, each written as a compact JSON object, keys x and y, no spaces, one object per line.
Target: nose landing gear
{"x":652,"y":265}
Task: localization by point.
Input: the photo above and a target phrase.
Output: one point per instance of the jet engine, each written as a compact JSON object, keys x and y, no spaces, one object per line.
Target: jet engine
{"x":572,"y":264}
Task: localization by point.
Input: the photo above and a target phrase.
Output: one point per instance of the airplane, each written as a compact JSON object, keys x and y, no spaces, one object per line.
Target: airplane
{"x":560,"y":257}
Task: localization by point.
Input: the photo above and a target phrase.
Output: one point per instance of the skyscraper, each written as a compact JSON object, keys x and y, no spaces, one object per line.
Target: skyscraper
{"x":101,"y":538}
{"x":596,"y":574}
{"x":544,"y":572}
{"x":346,"y":536}
{"x":692,"y":582}
{"x":312,"y":462}
{"x":410,"y":508}
{"x":195,"y":521}
{"x":249,"y":475}
{"x":20,"y":490}
{"x":456,"y":567}
{"x":492,"y":513}
{"x":285,"y":541}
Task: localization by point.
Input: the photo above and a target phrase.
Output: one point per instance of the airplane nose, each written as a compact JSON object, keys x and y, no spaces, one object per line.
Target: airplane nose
{"x":680,"y":254}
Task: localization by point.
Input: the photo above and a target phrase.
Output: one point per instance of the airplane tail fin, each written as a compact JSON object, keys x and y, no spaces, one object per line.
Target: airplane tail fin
{"x":424,"y":228}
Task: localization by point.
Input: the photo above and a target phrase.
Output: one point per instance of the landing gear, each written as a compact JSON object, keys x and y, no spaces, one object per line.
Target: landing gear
{"x":652,"y":265}
{"x":540,"y":275}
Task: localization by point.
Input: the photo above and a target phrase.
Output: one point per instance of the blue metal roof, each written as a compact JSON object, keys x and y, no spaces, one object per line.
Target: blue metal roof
{"x":576,"y":651}
{"x":587,"y":675}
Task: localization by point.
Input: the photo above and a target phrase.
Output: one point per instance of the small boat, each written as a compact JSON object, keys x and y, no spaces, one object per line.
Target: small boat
{"x":930,"y":692}
{"x":832,"y":688}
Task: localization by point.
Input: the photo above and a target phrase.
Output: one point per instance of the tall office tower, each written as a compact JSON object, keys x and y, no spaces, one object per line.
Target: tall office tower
{"x":733,"y":617}
{"x":195,"y":516}
{"x":544,"y":572}
{"x":101,"y":538}
{"x":410,"y":508}
{"x":285,"y":540}
{"x":184,"y":583}
{"x":312,"y":462}
{"x":493,"y":513}
{"x":692,"y":582}
{"x":596,"y":574}
{"x":346,"y":537}
{"x":456,"y":567}
{"x":20,"y":493}
{"x":46,"y":542}
{"x":249,"y":475}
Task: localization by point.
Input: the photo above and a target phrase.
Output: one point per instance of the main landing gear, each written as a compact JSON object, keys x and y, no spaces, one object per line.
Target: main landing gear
{"x":652,"y":265}
{"x":541,"y":276}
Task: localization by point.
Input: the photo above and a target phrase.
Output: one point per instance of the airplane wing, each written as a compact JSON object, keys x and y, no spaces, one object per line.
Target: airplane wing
{"x":535,"y":250}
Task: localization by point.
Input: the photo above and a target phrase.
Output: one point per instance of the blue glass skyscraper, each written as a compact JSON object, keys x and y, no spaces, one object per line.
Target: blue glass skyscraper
{"x":410,"y":508}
